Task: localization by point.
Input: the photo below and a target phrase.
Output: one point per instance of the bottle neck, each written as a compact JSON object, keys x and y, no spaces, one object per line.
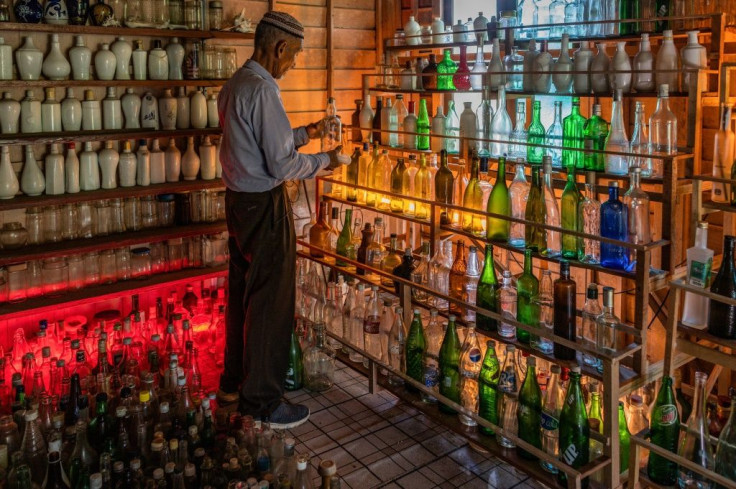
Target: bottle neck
{"x":612,"y":193}
{"x":701,"y":238}
{"x":698,"y":414}
{"x":527,"y":263}
{"x":635,"y":181}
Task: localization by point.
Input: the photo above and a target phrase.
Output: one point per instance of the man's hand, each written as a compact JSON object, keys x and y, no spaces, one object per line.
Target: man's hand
{"x":314,"y":130}
{"x":334,"y":162}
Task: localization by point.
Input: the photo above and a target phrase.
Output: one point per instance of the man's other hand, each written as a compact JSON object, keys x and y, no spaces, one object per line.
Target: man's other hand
{"x":314,"y":130}
{"x":334,"y":161}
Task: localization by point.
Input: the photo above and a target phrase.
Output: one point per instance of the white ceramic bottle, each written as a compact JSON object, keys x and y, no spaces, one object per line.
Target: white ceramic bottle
{"x":6,"y":60}
{"x":643,"y":80}
{"x":123,"y":52}
{"x":127,"y":166}
{"x":131,"y":106}
{"x":198,"y":110}
{"x":30,"y":114}
{"x":9,"y":114}
{"x":149,"y":112}
{"x":172,"y":157}
{"x":694,"y":56}
{"x":32,"y":181}
{"x":105,"y":63}
{"x":28,"y":60}
{"x":108,"y":159}
{"x":561,"y":77}
{"x":190,"y":161}
{"x":207,"y":159}
{"x":529,"y":57}
{"x":112,"y":110}
{"x":183,"y":113}
{"x":167,"y":111}
{"x":438,"y":30}
{"x":71,"y":112}
{"x":55,"y":66}
{"x":543,"y":66}
{"x":666,"y":64}
{"x":158,"y":163}
{"x":71,"y":170}
{"x":9,"y":185}
{"x":620,"y":74}
{"x":89,"y":169}
{"x":54,"y":171}
{"x":158,"y":63}
{"x":91,"y":112}
{"x":51,"y":112}
{"x":143,"y":164}
{"x":175,"y":53}
{"x":412,"y":29}
{"x":140,"y":61}
{"x":213,"y":117}
{"x":581,"y":63}
{"x":81,"y":59}
{"x":599,"y":68}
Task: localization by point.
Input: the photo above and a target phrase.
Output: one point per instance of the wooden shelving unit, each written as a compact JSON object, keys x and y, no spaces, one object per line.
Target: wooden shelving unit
{"x":102,"y":135}
{"x":161,"y":84}
{"x":124,"y":31}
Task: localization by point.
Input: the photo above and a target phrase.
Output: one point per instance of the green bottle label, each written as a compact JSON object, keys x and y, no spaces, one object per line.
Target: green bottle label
{"x":699,"y":273}
{"x":665,"y":414}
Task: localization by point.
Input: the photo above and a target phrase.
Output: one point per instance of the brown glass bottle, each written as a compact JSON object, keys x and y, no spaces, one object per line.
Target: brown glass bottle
{"x":564,"y":312}
{"x":457,"y":276}
{"x":430,"y":82}
{"x":444,"y":184}
{"x":319,"y":234}
{"x":722,"y":317}
{"x":377,"y":120}
{"x":364,"y":243}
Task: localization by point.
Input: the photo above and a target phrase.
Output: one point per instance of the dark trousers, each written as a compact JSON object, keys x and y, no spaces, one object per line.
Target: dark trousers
{"x":260,"y":309}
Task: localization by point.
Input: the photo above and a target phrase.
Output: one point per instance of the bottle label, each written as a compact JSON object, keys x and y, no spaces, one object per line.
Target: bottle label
{"x":665,"y":415}
{"x":475,"y":355}
{"x":549,"y":422}
{"x":290,"y":377}
{"x":371,"y":325}
{"x":507,"y":381}
{"x":447,"y":381}
{"x":699,"y":273}
{"x":431,"y":375}
{"x":570,"y":454}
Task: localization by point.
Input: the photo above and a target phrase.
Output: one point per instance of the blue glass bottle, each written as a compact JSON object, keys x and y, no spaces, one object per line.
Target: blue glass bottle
{"x":614,"y":225}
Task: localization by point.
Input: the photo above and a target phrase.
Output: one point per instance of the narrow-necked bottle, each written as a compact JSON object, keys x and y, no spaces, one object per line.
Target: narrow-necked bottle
{"x":595,"y":133}
{"x":487,"y":291}
{"x":484,"y":114}
{"x":423,"y":126}
{"x":723,"y":151}
{"x":695,"y":445}
{"x":422,"y":188}
{"x":637,"y":205}
{"x":722,"y":317}
{"x":574,"y":429}
{"x":530,"y":410}
{"x":382,"y":180}
{"x":386,"y":116}
{"x":545,"y":300}
{"x":519,"y":135}
{"x":518,"y":193}
{"x":416,"y":346}
{"x":473,"y":200}
{"x":699,"y":264}
{"x":617,"y":139}
{"x":485,"y":183}
{"x":507,"y":301}
{"x":589,"y":222}
{"x":607,"y":323}
{"x":570,"y":203}
{"x":589,"y":328}
{"x":565,"y":312}
{"x":345,"y":239}
{"x":391,"y":260}
{"x":572,"y":137}
{"x":536,"y":136}
{"x":400,"y":185}
{"x":553,"y":137}
{"x":500,"y":126}
{"x":444,"y":184}
{"x":470,"y":284}
{"x":550,"y":419}
{"x":397,"y":349}
{"x":452,"y":129}
{"x":377,"y":120}
{"x":446,"y":68}
{"x":450,"y":366}
{"x":639,"y":143}
{"x":429,"y":82}
{"x":431,"y":361}
{"x":319,"y":233}
{"x":664,"y":431}
{"x":527,"y":287}
{"x":499,"y":202}
{"x":552,"y":218}
{"x":662,"y":129}
{"x":535,"y":212}
{"x":488,"y":387}
{"x":439,"y":124}
{"x":508,"y":382}
{"x":614,"y":225}
{"x":470,"y":367}
{"x":725,"y":464}
{"x":457,"y":274}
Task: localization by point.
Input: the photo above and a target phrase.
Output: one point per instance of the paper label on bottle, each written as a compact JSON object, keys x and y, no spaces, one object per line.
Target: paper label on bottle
{"x":665,"y":414}
{"x":549,"y":422}
{"x":447,"y":381}
{"x":431,"y":375}
{"x":474,"y":355}
{"x":570,"y":454}
{"x":699,"y":273}
{"x":507,"y":381}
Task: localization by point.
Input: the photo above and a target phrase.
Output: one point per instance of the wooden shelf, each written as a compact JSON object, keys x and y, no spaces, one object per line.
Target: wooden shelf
{"x":112,"y":241}
{"x":513,"y":94}
{"x":123,"y":31}
{"x":108,"y":291}
{"x":386,"y":212}
{"x":22,"y":201}
{"x":719,"y":206}
{"x":29,"y":84}
{"x":103,"y":135}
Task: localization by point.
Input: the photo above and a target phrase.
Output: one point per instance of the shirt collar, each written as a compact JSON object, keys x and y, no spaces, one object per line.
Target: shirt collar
{"x":260,"y":71}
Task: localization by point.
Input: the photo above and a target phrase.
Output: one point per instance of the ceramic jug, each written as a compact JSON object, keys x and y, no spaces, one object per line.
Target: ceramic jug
{"x":693,"y":56}
{"x":123,"y":52}
{"x":9,"y":114}
{"x":172,"y":157}
{"x":6,"y":60}
{"x":581,"y":63}
{"x":54,"y":171}
{"x":140,"y":61}
{"x":666,"y":63}
{"x":143,"y":164}
{"x":182,"y":109}
{"x":80,"y":57}
{"x":71,"y":112}
{"x":9,"y":185}
{"x":112,"y":111}
{"x":158,"y":163}
{"x":167,"y":111}
{"x":127,"y":166}
{"x":108,"y":160}
{"x":30,"y":114}
{"x":149,"y":112}
{"x":190,"y":161}
{"x":29,"y":60}
{"x":71,"y":170}
{"x":207,"y":159}
{"x":55,"y":66}
{"x":529,"y":57}
{"x":198,"y":110}
{"x":91,"y":112}
{"x":438,"y":30}
{"x":175,"y":54}
{"x":51,"y":112}
{"x":32,"y":181}
{"x":158,"y":63}
{"x":131,"y":106}
{"x":561,"y":77}
{"x":643,"y":81}
{"x":105,"y":63}
{"x":89,"y":169}
{"x":213,"y":118}
{"x":412,"y":29}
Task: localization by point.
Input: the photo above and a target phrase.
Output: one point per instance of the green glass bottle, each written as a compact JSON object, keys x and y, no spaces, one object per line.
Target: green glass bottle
{"x":570,"y":204}
{"x":444,"y":184}
{"x":664,"y":430}
{"x":450,"y":366}
{"x":423,"y":126}
{"x":486,"y":295}
{"x":345,"y":239}
{"x":351,"y":175}
{"x":490,"y":372}
{"x":295,"y":371}
{"x":595,"y":411}
{"x":473,"y":199}
{"x":536,"y":136}
{"x":499,"y":202}
{"x":572,"y":137}
{"x":629,"y":10}
{"x":446,"y":68}
{"x":536,"y":212}
{"x":400,"y":184}
{"x":595,"y":133}
{"x":624,"y":439}
{"x":416,"y":346}
{"x":574,"y":428}
{"x":529,"y":414}
{"x":527,"y":288}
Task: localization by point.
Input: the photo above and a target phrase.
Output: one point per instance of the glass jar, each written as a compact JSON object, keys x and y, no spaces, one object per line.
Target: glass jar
{"x":85,"y":218}
{"x":34,"y":225}
{"x":183,"y":209}
{"x":231,"y":62}
{"x":212,"y":204}
{"x":161,"y":13}
{"x":193,"y":252}
{"x":17,"y":282}
{"x":140,"y":263}
{"x":75,"y":264}
{"x":176,"y":12}
{"x":117,"y":216}
{"x":190,"y":14}
{"x":199,"y":9}
{"x":52,"y":224}
{"x":208,"y":62}
{"x":133,"y":10}
{"x":199,"y":205}
{"x":149,"y":212}
{"x":118,"y":10}
{"x":219,"y":67}
{"x":55,"y":275}
{"x":166,"y":210}
{"x":146,"y":11}
{"x":69,"y":221}
{"x":159,"y":255}
{"x":175,"y":248}
{"x":122,"y":263}
{"x":215,"y":250}
{"x":91,"y":268}
{"x":132,"y":214}
{"x":215,"y":15}
{"x":13,"y":236}
{"x":108,"y":267}
{"x":103,"y":217}
{"x":34,"y":279}
{"x":3,"y":285}
{"x":220,"y":207}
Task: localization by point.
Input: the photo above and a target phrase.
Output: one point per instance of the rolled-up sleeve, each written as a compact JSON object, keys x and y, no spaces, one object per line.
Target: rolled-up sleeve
{"x":300,"y":136}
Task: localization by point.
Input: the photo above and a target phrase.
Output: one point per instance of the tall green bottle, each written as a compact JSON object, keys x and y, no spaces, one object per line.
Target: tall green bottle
{"x":536,"y":211}
{"x":572,"y":137}
{"x":624,"y":439}
{"x":295,"y":371}
{"x":569,"y":209}
{"x":450,"y":366}
{"x":529,"y":414}
{"x":488,"y":395}
{"x":486,"y":295}
{"x":536,"y":136}
{"x":423,"y":126}
{"x":574,"y":428}
{"x":446,"y":68}
{"x":444,"y":184}
{"x":595,"y":133}
{"x":499,"y":202}
{"x":473,"y":200}
{"x":345,"y":239}
{"x":664,"y":430}
{"x":527,"y":309}
{"x":416,"y":346}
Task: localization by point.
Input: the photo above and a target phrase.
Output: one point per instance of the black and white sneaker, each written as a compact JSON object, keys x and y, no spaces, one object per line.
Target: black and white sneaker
{"x":288,"y":416}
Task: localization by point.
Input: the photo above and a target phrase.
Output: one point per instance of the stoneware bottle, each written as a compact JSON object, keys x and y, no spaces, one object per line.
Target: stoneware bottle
{"x":29,"y":60}
{"x":9,"y":114}
{"x":438,"y":30}
{"x":149,"y":112}
{"x":190,"y":161}
{"x":581,"y":62}
{"x":213,"y":118}
{"x":158,"y":163}
{"x":561,"y":77}
{"x":599,"y":68}
{"x":55,"y":66}
{"x":175,"y":53}
{"x":112,"y":110}
{"x":495,"y":67}
{"x":6,"y":60}
{"x":693,"y":56}
{"x":105,"y":63}
{"x":91,"y":112}
{"x":143,"y":164}
{"x":30,"y":114}
{"x":109,"y":159}
{"x":158,"y":63}
{"x":131,"y":106}
{"x":198,"y":110}
{"x":172,"y":157}
{"x":644,"y":64}
{"x":411,"y":29}
{"x":54,"y":171}
{"x":8,"y":180}
{"x":182,"y":109}
{"x":543,"y":66}
{"x":89,"y":169}
{"x":140,"y":61}
{"x":71,"y":112}
{"x":51,"y":112}
{"x":122,"y":51}
{"x":207,"y":159}
{"x":620,"y":76}
{"x":167,"y":111}
{"x":666,"y":63}
{"x":55,"y":12}
{"x":32,"y":181}
{"x":71,"y":170}
{"x":127,"y":166}
{"x":80,"y":57}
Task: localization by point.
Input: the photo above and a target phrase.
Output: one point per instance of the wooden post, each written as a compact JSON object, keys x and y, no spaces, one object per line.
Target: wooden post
{"x":329,"y":23}
{"x":610,"y":423}
{"x":671,"y":331}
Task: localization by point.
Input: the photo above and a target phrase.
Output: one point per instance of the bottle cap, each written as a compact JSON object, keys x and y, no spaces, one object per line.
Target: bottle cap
{"x":613,"y":184}
{"x":702,"y":225}
{"x":135,"y":464}
{"x":575,"y":370}
{"x":531,"y":362}
{"x":144,"y":396}
{"x":190,"y":470}
{"x":118,"y":466}
{"x":30,"y":415}
{"x":327,"y":468}
{"x":452,"y":318}
{"x":95,"y":481}
{"x":301,"y":465}
{"x":158,"y":474}
{"x":157,"y":446}
{"x":564,"y":267}
{"x":170,"y":468}
{"x":608,"y":296}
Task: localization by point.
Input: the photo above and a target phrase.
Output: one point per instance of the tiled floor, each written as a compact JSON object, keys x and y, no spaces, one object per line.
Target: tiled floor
{"x":376,"y":440}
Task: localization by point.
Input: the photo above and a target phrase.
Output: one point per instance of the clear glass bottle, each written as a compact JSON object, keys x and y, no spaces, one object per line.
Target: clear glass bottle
{"x":554,"y":137}
{"x":470,"y":284}
{"x":695,"y":445}
{"x":396,"y":348}
{"x":396,"y":122}
{"x":545,"y":301}
{"x":589,"y":222}
{"x":518,"y":193}
{"x":507,"y":299}
{"x":607,"y":323}
{"x":357,"y":317}
{"x":371,"y":325}
{"x":519,"y":134}
{"x":473,"y":200}
{"x":420,"y":274}
{"x":508,"y":383}
{"x":550,"y":424}
{"x":439,"y":274}
{"x":452,"y":129}
{"x":500,"y":126}
{"x":470,"y":365}
{"x":662,"y":130}
{"x":617,"y":139}
{"x":484,"y":115}
{"x":479,"y":69}
{"x":554,"y":242}
{"x":725,"y":463}
{"x":636,"y":201}
{"x":434,"y":334}
{"x":699,"y":264}
{"x":640,"y":142}
{"x":557,"y":16}
{"x":588,"y":334}
{"x":514,"y":65}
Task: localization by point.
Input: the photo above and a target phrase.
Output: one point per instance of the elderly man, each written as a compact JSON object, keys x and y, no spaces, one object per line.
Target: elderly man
{"x":258,"y":154}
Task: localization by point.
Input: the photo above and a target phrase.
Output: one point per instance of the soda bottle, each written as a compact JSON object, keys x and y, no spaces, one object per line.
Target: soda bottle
{"x":624,"y":439}
{"x":416,"y":345}
{"x":470,"y":366}
{"x":488,"y":387}
{"x":550,"y":419}
{"x":664,"y":429}
{"x":295,"y":372}
{"x":450,"y":366}
{"x":574,"y":429}
{"x":530,"y":410}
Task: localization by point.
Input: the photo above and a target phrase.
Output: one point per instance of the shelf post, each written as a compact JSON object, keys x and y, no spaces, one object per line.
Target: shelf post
{"x":671,"y":331}
{"x":641,"y":311}
{"x":610,"y":422}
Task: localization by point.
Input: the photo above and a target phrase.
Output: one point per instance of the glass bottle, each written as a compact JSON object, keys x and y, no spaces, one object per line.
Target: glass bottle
{"x":400,"y":185}
{"x":416,"y":345}
{"x":422,"y":189}
{"x":514,"y":66}
{"x":699,"y":264}
{"x":662,"y":130}
{"x":431,"y":361}
{"x":457,"y":272}
{"x":722,"y":317}
{"x":574,"y":429}
{"x":420,"y":274}
{"x":499,"y":202}
{"x":473,"y":200}
{"x":445,"y":69}
{"x":519,"y":134}
{"x":429,"y":72}
{"x":550,"y":419}
{"x":542,"y":66}
{"x":396,"y":122}
{"x":449,"y":365}
{"x":423,"y":126}
{"x":723,"y":152}
{"x":507,"y":301}
{"x":345,"y":238}
{"x":508,"y":382}
{"x":500,"y":126}
{"x":556,"y":17}
{"x":398,"y":350}
{"x":33,"y":446}
{"x":589,"y":222}
{"x":535,"y":211}
{"x":595,"y":133}
{"x":470,"y":284}
{"x":569,"y":204}
{"x":536,"y":136}
{"x":391,"y":260}
{"x":461,"y":78}
{"x":589,"y":326}
{"x":572,"y":137}
{"x":617,"y":140}
{"x":488,"y":379}
{"x":452,"y":129}
{"x":470,"y":367}
{"x":331,"y":128}
{"x":545,"y":299}
{"x":444,"y":184}
{"x":553,"y":137}
{"x":386,"y":113}
{"x":565,"y":318}
{"x":484,"y":115}
{"x":695,"y":445}
{"x":527,"y":287}
{"x":439,"y":272}
{"x":469,"y":127}
{"x":382,"y":180}
{"x":496,"y":75}
{"x":486,"y":295}
{"x":614,"y":225}
{"x":640,"y":142}
{"x":528,"y":65}
{"x":530,"y":411}
{"x":664,"y":431}
{"x":319,"y":234}
{"x":637,"y":204}
{"x":606,"y":324}
{"x":371,"y":325}
{"x":725,"y":462}
{"x":479,"y":69}
{"x":518,"y":194}
{"x":554,"y":245}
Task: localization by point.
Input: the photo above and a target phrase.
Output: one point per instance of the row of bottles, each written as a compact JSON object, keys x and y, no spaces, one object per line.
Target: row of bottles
{"x":108,"y":168}
{"x":130,"y":111}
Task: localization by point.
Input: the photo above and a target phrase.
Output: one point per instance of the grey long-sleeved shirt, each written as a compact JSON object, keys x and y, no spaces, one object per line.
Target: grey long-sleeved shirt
{"x":259,"y":147}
